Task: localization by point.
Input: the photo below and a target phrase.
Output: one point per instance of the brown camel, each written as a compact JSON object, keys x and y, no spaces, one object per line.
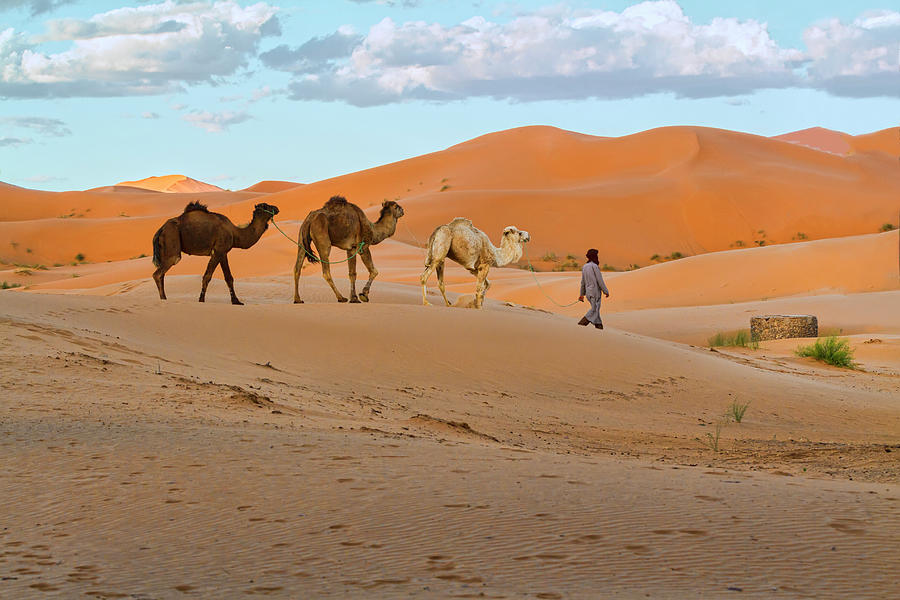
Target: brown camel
{"x":202,"y":233}
{"x":344,"y":225}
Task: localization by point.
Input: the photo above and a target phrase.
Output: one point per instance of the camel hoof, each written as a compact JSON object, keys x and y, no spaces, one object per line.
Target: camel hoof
{"x":355,"y":301}
{"x":202,"y":299}
{"x":426,"y":303}
{"x":298,"y":301}
{"x":342,"y":299}
{"x":364,"y":297}
{"x":237,"y":302}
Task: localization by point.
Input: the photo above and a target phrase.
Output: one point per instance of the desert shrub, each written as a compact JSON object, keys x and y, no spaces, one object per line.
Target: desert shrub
{"x":444,"y":188}
{"x":736,"y":411}
{"x":739,"y":243}
{"x":549,"y":257}
{"x":675,"y":256}
{"x":607,"y":267}
{"x":569,"y":265}
{"x":739,"y":338}
{"x":830,"y":350}
{"x":79,"y":257}
{"x":887,"y":227}
{"x":655,"y":257}
{"x":710,"y":440}
{"x":5,"y":285}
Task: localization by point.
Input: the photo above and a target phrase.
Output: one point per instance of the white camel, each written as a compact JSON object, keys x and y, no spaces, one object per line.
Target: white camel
{"x":460,"y":241}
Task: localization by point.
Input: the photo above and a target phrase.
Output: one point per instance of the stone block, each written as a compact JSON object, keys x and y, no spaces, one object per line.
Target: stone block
{"x":777,"y":327}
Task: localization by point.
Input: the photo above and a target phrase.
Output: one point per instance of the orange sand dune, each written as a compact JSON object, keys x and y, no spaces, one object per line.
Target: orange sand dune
{"x":22,"y":204}
{"x":677,"y":189}
{"x":886,"y":140}
{"x":849,"y":265}
{"x":819,"y":138}
{"x":172,"y":184}
{"x":269,"y":187}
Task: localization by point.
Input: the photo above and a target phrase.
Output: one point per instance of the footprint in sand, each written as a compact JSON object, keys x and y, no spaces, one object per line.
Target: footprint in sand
{"x":847,"y":526}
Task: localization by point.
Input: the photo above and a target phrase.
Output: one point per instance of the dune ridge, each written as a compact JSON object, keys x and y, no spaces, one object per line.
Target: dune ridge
{"x":172,"y":184}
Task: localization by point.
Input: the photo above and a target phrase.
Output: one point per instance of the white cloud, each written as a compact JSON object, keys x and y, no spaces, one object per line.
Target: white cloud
{"x":11,"y":142}
{"x":560,"y":52}
{"x":149,"y":115}
{"x":148,"y":49}
{"x":42,"y":125}
{"x":861,"y":58}
{"x":215,"y":122}
{"x":554,"y":53}
{"x":36,"y":7}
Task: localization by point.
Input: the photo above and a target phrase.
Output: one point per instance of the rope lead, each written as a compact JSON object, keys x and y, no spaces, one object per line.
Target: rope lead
{"x":531,"y":268}
{"x":310,"y":254}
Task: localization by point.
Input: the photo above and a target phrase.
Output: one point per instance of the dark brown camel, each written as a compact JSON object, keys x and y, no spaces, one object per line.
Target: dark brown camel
{"x":202,"y":233}
{"x":343,"y":224}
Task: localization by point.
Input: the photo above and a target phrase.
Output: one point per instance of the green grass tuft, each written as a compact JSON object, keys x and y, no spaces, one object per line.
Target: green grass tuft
{"x":5,"y":285}
{"x":887,"y":227}
{"x":736,"y":411}
{"x":739,"y":338}
{"x":830,"y":350}
{"x":79,"y":257}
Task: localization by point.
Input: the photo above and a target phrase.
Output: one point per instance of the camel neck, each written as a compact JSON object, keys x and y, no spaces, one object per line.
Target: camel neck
{"x":383,"y":228}
{"x":508,"y":252}
{"x":244,"y":237}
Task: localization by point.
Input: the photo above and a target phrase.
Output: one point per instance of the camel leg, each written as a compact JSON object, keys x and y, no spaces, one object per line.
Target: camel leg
{"x":481,"y":288}
{"x":324,"y":249}
{"x":424,"y":279}
{"x":351,"y":271}
{"x":438,"y":247}
{"x":213,"y":263}
{"x":366,"y":255}
{"x":298,"y":266}
{"x":440,"y":278}
{"x":159,"y":276}
{"x":226,"y":271}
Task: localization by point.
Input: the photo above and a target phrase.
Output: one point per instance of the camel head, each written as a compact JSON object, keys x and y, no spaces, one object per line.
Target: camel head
{"x":267,"y":211}
{"x":389,"y":206}
{"x":513,"y":234}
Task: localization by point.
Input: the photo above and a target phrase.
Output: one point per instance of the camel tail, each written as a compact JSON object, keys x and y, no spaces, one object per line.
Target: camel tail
{"x":306,"y":240}
{"x":157,"y":248}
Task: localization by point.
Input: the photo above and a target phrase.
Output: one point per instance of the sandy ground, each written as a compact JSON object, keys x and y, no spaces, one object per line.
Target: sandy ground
{"x":161,"y":450}
{"x":175,"y":449}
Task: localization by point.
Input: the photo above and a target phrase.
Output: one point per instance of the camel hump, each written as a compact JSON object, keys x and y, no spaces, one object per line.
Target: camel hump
{"x":460,"y":221}
{"x":196,"y":205}
{"x":336,"y":202}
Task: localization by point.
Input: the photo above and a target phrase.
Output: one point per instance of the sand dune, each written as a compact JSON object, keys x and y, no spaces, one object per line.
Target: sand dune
{"x":269,"y":187}
{"x":342,"y":451}
{"x":175,"y":184}
{"x":163,"y":449}
{"x":819,"y":138}
{"x":678,"y":189}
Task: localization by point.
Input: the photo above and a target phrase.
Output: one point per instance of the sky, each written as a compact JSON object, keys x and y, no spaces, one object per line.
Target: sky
{"x":230,"y":92}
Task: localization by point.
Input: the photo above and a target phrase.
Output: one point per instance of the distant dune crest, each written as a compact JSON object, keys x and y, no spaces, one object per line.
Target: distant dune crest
{"x":177,"y":184}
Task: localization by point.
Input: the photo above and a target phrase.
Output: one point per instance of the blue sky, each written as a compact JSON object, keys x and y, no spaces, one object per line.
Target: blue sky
{"x":235,"y":92}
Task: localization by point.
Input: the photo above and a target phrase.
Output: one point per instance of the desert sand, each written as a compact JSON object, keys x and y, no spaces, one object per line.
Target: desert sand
{"x":176,"y":449}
